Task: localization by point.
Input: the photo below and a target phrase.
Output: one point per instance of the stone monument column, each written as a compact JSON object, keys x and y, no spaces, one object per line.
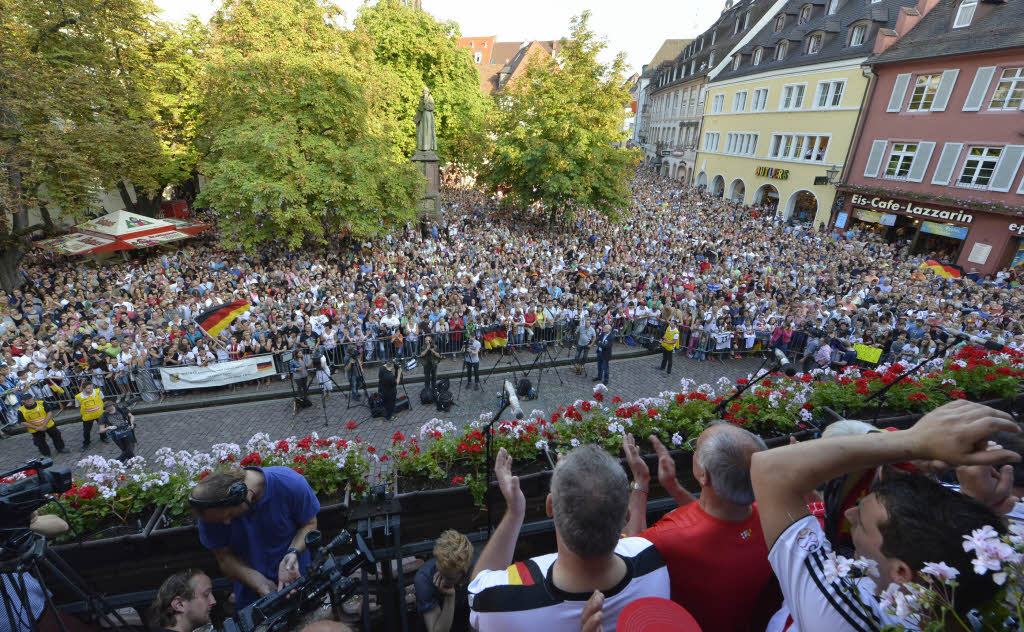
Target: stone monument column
{"x":426,"y":159}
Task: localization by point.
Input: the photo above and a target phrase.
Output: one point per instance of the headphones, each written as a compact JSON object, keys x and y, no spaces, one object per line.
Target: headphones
{"x":238,"y":493}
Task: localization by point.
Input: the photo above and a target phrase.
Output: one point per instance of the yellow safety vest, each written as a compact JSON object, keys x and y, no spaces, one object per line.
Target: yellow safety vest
{"x":91,"y":407}
{"x":34,"y":417}
{"x":671,"y":339}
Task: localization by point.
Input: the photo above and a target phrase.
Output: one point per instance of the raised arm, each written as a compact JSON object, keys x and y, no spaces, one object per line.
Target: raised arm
{"x":956,"y":433}
{"x":497,"y":555}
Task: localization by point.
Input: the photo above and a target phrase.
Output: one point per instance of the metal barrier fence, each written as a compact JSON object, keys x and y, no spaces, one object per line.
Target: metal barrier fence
{"x":556,"y":339}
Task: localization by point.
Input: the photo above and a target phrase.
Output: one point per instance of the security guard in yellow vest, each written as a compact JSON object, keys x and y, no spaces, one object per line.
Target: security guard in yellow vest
{"x":90,"y":405}
{"x":37,"y":418}
{"x":669,"y":343}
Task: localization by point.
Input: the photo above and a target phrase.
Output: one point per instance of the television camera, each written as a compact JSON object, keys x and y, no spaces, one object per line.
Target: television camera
{"x":326,"y":578}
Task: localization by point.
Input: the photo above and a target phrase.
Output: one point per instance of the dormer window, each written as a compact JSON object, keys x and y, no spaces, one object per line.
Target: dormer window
{"x":758,"y":53}
{"x":711,"y":59}
{"x":833,"y":7}
{"x":965,"y":13}
{"x":780,"y":50}
{"x":814,"y":44}
{"x":736,"y":61}
{"x":858,"y":34}
{"x":805,"y":14}
{"x":780,"y":22}
{"x":714,"y":36}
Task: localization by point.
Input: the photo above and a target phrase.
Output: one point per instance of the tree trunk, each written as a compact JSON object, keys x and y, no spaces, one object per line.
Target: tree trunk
{"x":44,"y":211}
{"x":10,"y":265}
{"x":126,"y":198}
{"x":148,"y":205}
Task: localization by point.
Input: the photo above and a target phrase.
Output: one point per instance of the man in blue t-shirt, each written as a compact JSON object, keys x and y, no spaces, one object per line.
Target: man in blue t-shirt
{"x":255,"y":521}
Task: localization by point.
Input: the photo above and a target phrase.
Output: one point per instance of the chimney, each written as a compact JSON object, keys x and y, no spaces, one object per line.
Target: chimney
{"x":907,"y":20}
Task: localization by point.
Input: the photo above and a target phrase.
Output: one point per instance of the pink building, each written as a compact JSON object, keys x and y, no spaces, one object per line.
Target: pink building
{"x":938,"y":155}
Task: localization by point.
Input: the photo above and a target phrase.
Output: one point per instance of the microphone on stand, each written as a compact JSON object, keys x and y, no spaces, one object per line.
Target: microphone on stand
{"x":784,"y":364}
{"x":513,"y":400}
{"x":988,"y":343}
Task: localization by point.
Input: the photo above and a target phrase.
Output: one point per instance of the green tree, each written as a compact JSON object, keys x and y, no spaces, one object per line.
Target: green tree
{"x":420,"y":51}
{"x":73,"y":119}
{"x":555,"y":127}
{"x":295,"y":148}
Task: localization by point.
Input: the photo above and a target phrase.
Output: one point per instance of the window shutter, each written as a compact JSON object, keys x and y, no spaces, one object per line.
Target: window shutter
{"x":920,"y":162}
{"x":1002,"y":178}
{"x":875,"y":158}
{"x":899,"y":91}
{"x":947,"y":162}
{"x":979,"y":88}
{"x":1020,"y":189}
{"x":945,"y":89}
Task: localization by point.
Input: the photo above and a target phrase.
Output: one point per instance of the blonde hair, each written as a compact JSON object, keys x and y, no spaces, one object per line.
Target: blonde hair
{"x":453,"y":552}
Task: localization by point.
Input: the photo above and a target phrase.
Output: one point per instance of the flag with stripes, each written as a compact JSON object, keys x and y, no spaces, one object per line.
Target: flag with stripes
{"x":219,"y":317}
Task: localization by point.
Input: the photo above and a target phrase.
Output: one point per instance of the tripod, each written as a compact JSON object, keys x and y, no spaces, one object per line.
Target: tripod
{"x":545,"y":352}
{"x":509,"y":358}
{"x":24,"y":557}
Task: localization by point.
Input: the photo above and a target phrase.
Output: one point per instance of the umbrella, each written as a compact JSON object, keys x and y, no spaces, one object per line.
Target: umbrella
{"x":121,"y":230}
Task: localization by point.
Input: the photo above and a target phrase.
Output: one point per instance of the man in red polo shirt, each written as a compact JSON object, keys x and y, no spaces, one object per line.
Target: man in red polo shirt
{"x":714,"y":549}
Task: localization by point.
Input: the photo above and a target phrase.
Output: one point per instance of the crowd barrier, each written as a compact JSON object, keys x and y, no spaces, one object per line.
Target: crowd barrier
{"x":151,"y":383}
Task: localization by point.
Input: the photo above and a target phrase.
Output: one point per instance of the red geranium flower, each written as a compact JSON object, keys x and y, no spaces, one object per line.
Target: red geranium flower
{"x":918,"y":397}
{"x":398,"y":437}
{"x":298,"y":469}
{"x":204,"y":474}
{"x":252,"y":459}
{"x":807,"y":406}
{"x":599,"y":397}
{"x":282,"y":446}
{"x":742,"y":381}
{"x":616,"y":400}
{"x":586,"y":406}
{"x":680,"y":398}
{"x":958,"y":395}
{"x":371,"y":449}
{"x":458,"y":480}
{"x":652,"y":413}
{"x":351,"y":425}
{"x":86,"y":492}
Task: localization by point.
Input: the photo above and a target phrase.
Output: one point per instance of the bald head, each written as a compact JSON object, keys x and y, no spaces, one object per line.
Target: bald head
{"x":723,"y":453}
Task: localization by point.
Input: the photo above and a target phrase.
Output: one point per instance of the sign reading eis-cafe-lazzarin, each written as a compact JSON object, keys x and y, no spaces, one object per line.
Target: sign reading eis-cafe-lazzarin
{"x":775,"y":174}
{"x":888,"y":204}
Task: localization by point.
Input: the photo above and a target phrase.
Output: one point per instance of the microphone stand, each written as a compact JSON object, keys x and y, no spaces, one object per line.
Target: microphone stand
{"x":503,"y":404}
{"x":880,"y":394}
{"x":743,"y":389}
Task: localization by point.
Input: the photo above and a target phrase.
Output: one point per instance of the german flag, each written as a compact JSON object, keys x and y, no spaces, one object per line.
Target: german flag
{"x":944,"y":270}
{"x":216,"y":319}
{"x":496,"y":338}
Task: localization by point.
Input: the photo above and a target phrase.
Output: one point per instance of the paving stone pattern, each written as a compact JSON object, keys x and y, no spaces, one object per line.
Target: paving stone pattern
{"x":200,"y":427}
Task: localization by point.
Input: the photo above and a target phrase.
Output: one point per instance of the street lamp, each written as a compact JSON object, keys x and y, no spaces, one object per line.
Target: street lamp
{"x":832,"y":174}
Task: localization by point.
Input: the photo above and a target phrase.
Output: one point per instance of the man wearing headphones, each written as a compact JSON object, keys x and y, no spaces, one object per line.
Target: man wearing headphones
{"x":255,"y":521}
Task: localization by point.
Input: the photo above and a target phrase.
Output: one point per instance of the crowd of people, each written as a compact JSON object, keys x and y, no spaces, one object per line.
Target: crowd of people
{"x":730,"y":279}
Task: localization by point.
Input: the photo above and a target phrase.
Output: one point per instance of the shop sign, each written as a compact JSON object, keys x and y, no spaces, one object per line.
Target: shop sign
{"x":1017,"y":228}
{"x":946,"y":230}
{"x":775,"y":174}
{"x":889,"y":204}
{"x":885,"y":219}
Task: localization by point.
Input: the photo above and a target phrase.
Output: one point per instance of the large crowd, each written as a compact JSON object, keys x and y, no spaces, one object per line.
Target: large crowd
{"x":735,"y":279}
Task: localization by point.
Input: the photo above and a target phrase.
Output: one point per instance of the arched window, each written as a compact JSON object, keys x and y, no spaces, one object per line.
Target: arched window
{"x":780,"y":50}
{"x":858,"y":33}
{"x":805,"y":14}
{"x":780,"y":22}
{"x":758,"y":53}
{"x":736,"y":61}
{"x":814,"y":44}
{"x":965,"y":13}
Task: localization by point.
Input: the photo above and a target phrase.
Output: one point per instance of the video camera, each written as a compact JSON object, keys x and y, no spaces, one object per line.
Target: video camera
{"x":19,"y":499}
{"x":326,"y":577}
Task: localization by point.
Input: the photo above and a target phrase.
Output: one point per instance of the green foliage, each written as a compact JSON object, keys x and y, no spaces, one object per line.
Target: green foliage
{"x":416,"y":50}
{"x":555,"y":129}
{"x":296,"y":147}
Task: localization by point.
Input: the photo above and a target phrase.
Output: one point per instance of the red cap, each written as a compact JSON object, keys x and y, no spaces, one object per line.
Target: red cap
{"x":655,"y":614}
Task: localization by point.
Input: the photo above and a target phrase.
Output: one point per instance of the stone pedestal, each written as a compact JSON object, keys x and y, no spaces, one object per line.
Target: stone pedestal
{"x":430,"y":201}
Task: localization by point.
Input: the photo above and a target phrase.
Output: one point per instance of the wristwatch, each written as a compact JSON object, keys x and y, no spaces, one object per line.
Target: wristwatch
{"x":291,"y":549}
{"x":637,"y":487}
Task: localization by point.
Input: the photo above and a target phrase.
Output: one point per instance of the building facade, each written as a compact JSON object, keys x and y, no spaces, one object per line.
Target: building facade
{"x":938,"y":158}
{"x":779,"y":120}
{"x":644,"y":112}
{"x":677,"y":87}
{"x":499,"y":63}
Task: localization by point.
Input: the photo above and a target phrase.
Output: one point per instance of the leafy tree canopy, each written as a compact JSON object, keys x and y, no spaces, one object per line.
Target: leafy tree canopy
{"x":420,"y":51}
{"x":554,"y":130}
{"x":297,"y":148}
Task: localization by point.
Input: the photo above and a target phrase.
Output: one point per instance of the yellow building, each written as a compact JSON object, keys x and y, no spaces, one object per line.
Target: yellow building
{"x":778,"y":122}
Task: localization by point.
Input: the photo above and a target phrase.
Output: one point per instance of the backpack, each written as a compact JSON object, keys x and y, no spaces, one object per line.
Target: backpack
{"x":427,"y":396}
{"x":444,"y":401}
{"x":524,"y":387}
{"x":377,"y":405}
{"x":444,"y":385}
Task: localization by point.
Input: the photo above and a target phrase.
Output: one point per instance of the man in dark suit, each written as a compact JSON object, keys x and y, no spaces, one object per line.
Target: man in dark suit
{"x":387,"y":385}
{"x":604,"y":353}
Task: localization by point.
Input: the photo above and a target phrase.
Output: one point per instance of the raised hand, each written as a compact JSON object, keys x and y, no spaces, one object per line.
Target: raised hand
{"x":641,"y":473}
{"x":959,"y":432}
{"x":666,"y":464}
{"x":508,"y":484}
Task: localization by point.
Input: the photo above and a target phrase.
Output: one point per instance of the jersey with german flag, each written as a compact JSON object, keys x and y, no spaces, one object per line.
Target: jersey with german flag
{"x":524,"y":597}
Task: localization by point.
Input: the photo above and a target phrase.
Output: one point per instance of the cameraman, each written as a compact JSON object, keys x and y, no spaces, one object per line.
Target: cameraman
{"x":354,"y":370}
{"x":585,"y":336}
{"x":300,"y":376}
{"x":430,"y":359}
{"x":388,"y":379}
{"x":119,"y":422}
{"x":472,"y":350}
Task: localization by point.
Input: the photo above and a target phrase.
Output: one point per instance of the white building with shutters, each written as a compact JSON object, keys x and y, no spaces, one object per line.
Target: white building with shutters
{"x":938,"y":159}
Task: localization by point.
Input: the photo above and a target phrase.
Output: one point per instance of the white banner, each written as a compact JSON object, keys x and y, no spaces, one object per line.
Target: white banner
{"x":220,"y":374}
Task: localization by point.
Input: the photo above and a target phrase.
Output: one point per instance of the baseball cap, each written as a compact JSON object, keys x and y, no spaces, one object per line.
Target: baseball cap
{"x":655,"y":614}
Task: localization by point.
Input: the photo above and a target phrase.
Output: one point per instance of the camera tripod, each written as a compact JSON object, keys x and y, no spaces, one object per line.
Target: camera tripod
{"x":550,"y":365}
{"x":508,"y":354}
{"x":23,"y":558}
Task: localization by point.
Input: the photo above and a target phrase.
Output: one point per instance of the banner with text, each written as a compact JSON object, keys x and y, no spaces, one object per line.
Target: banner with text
{"x":220,"y":374}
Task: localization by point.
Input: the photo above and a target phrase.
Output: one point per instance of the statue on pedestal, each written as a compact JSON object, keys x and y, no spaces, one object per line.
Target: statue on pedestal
{"x":426,"y":133}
